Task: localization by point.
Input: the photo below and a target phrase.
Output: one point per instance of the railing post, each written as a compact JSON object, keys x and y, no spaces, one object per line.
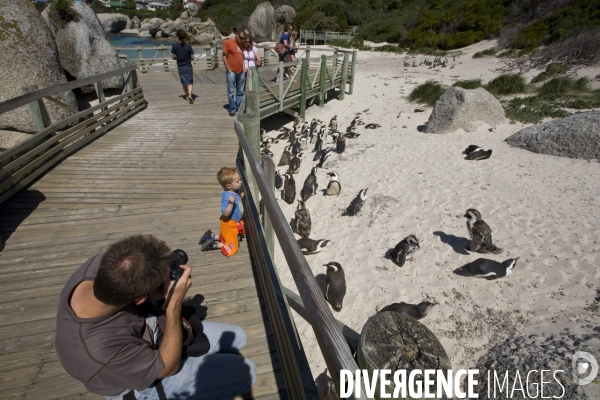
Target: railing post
{"x":164,"y":57}
{"x":99,"y":91}
{"x":344,"y":77}
{"x":268,"y":166}
{"x":253,"y":101}
{"x":37,"y":109}
{"x":140,"y":52}
{"x":280,"y":85}
{"x":351,"y":89}
{"x":307,"y":51}
{"x":122,"y":58}
{"x":303,"y":85}
{"x":323,"y":77}
{"x":335,"y":53}
{"x":251,"y":123}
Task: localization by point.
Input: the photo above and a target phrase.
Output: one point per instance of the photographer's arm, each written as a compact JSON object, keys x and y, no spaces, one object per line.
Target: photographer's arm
{"x":172,"y":343}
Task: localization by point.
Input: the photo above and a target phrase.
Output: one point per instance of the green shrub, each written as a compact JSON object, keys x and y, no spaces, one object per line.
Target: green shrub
{"x":507,"y":84}
{"x":485,"y":53}
{"x":551,"y":70}
{"x":532,"y":35}
{"x":532,"y":109}
{"x":427,"y":93}
{"x":61,"y":13}
{"x":564,"y":84}
{"x":461,"y":39}
{"x":471,"y":84}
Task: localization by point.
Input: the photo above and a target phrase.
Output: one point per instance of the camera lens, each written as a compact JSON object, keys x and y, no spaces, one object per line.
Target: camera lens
{"x":179,"y":258}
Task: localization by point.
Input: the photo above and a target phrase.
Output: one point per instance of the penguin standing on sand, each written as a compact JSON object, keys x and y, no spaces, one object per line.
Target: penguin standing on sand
{"x":310,"y":185}
{"x":480,"y":233}
{"x":296,"y":147}
{"x":303,"y":222}
{"x":415,"y":311}
{"x":295,"y":163}
{"x":303,"y":144}
{"x":310,"y":246}
{"x":372,"y":126}
{"x":487,"y":269}
{"x":325,"y":156}
{"x":340,"y":144}
{"x":335,"y":285}
{"x":405,"y":250}
{"x":357,"y":203}
{"x":334,"y":187}
{"x":286,"y":156}
{"x":333,"y":123}
{"x":288,"y":194}
{"x":319,"y":143}
{"x":278,"y":180}
{"x":475,"y":152}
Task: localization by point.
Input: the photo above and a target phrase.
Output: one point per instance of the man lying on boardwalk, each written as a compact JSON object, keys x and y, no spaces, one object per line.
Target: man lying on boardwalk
{"x":106,"y":339}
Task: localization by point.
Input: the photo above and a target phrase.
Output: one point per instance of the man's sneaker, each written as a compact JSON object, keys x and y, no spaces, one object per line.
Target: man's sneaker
{"x":211,"y":245}
{"x":208,"y":235}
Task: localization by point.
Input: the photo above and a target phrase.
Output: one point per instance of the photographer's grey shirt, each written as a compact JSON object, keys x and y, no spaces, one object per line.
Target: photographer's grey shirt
{"x":109,"y":355}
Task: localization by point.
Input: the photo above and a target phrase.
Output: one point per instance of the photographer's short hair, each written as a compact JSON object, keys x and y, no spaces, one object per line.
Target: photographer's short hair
{"x":181,"y":35}
{"x":225,"y":175}
{"x":131,"y":268}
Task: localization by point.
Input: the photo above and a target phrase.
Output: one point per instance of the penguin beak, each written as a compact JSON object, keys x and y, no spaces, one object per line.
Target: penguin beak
{"x":466,"y":215}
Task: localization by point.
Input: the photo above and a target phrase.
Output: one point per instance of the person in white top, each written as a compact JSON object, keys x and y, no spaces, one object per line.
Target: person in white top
{"x":251,"y":56}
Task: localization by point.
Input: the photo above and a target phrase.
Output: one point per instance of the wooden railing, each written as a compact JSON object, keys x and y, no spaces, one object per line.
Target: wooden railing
{"x":205,"y":58}
{"x":56,"y":140}
{"x":324,"y":36}
{"x":336,"y":341}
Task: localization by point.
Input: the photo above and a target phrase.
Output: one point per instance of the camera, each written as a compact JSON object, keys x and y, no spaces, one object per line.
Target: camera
{"x":179,"y":257}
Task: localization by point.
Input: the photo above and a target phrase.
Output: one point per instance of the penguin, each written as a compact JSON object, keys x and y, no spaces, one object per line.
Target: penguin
{"x":478,"y":154}
{"x":295,"y":163}
{"x":325,"y":156}
{"x":487,"y":269}
{"x":298,"y":121}
{"x":405,"y":250}
{"x":480,"y":233}
{"x":266,"y":143}
{"x":267,"y":152}
{"x":313,"y":124}
{"x":351,"y":133}
{"x":278,"y":180}
{"x":303,"y":222}
{"x":288,"y":194}
{"x":284,"y":135}
{"x":303,"y":144}
{"x":296,"y":147}
{"x":286,"y":157}
{"x":319,"y":143}
{"x":335,"y":285}
{"x":334,"y":136}
{"x":372,"y":126}
{"x":340,"y":144}
{"x":355,"y":122}
{"x":471,"y":149}
{"x":309,"y":246}
{"x":414,"y":311}
{"x":263,"y":132}
{"x":357,"y":203}
{"x":310,"y":185}
{"x":334,"y":187}
{"x":333,"y":123}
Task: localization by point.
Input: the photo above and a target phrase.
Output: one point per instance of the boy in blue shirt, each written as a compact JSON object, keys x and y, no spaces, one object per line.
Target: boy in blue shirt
{"x":232,"y":211}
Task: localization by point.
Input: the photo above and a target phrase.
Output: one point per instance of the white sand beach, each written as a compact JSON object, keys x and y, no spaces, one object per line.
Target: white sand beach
{"x":541,"y":208}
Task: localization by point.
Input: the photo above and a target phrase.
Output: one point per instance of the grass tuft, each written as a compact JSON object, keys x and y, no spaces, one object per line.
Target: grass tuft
{"x":470,"y":84}
{"x":564,"y":84}
{"x":485,"y":53}
{"x":507,"y":84}
{"x":427,"y":93}
{"x":551,"y":70}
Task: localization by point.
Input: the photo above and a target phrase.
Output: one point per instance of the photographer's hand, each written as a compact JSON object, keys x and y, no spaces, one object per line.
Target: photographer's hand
{"x":172,"y":343}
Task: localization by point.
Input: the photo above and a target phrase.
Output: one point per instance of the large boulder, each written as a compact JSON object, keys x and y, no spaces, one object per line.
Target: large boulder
{"x":29,"y":56}
{"x":115,"y":23}
{"x":84,"y":49}
{"x":153,"y":26}
{"x":575,"y":136}
{"x":192,"y":9}
{"x":285,"y":14}
{"x":169,"y":28}
{"x":262,"y":23}
{"x":130,"y":32}
{"x":206,"y":28}
{"x":136,"y":23}
{"x":458,"y":108}
{"x":144,"y":34}
{"x":203,"y":39}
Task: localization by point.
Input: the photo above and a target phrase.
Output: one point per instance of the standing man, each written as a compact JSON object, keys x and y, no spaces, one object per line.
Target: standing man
{"x":233,"y":59}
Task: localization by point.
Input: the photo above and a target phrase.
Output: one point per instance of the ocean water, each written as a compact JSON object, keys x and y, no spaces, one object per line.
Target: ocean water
{"x":126,"y":41}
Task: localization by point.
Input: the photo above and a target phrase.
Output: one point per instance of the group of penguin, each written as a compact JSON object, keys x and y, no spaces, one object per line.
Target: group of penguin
{"x":300,"y":137}
{"x":437,"y":61}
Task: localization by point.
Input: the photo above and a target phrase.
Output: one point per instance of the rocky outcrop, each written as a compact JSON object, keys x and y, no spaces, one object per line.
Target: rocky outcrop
{"x":192,"y":9}
{"x":29,"y":56}
{"x":203,"y":39}
{"x":136,"y":23}
{"x":206,"y":30}
{"x":132,"y":32}
{"x":153,"y":26}
{"x":144,"y":34}
{"x":169,"y":28}
{"x":575,"y":136}
{"x":114,"y":23}
{"x":285,"y":14}
{"x":262,"y":23}
{"x":458,"y":108}
{"x":84,"y":49}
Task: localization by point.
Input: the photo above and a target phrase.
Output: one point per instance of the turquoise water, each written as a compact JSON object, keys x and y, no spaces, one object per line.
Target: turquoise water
{"x":126,"y":41}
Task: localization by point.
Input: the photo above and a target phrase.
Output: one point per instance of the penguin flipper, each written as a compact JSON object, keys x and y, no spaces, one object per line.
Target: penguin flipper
{"x":476,"y":244}
{"x":400,"y":260}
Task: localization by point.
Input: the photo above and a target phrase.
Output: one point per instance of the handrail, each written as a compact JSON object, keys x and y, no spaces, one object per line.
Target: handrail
{"x":25,"y":99}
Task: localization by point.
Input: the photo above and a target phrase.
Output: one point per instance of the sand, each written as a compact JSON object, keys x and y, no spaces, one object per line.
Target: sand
{"x":541,"y":208}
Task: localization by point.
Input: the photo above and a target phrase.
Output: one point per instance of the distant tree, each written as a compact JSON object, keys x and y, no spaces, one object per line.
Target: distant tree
{"x":97,"y":5}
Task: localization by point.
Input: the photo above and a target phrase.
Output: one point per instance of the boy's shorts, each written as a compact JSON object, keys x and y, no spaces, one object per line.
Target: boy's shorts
{"x":229,"y":235}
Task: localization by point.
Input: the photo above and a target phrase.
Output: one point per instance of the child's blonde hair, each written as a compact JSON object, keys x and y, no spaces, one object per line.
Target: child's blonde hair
{"x":225,"y":176}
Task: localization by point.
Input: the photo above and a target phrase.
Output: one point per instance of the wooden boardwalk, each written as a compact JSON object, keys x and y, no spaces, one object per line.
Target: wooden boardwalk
{"x":153,"y":174}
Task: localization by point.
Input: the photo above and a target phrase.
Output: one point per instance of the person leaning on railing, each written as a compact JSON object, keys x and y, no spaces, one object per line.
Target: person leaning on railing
{"x":285,"y":40}
{"x":184,"y":54}
{"x":106,"y":338}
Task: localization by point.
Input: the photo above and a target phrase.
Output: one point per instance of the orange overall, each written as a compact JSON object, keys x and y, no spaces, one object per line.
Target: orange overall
{"x":229,"y":235}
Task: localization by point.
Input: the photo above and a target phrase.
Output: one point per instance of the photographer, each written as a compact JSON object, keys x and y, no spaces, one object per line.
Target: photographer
{"x":106,"y":340}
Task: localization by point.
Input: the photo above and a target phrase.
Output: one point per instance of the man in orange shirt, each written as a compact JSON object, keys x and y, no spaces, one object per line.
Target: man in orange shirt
{"x":233,"y":59}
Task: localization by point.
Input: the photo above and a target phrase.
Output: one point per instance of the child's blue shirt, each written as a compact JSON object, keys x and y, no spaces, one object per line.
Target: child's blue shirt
{"x":238,"y":209}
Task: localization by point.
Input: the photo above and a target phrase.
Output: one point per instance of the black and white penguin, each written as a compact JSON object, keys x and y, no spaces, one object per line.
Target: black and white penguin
{"x":324,"y":157}
{"x":480,"y":233}
{"x":313,"y":124}
{"x":288,"y":194}
{"x":296,"y":147}
{"x":319,"y":143}
{"x":405,"y":250}
{"x":286,"y":156}
{"x":372,"y":126}
{"x":478,"y":154}
{"x":355,"y":122}
{"x":310,"y":185}
{"x":298,"y":121}
{"x":267,"y":152}
{"x":263,"y":132}
{"x":295,"y":163}
{"x":334,"y":187}
{"x":278,"y":180}
{"x":487,"y":269}
{"x":303,"y":144}
{"x":334,"y":136}
{"x":335,"y":285}
{"x":303,"y":222}
{"x":340,"y":144}
{"x":415,"y":311}
{"x":352,"y":134}
{"x":284,"y":135}
{"x":471,"y":149}
{"x":333,"y":123}
{"x":309,"y":246}
{"x":267,"y":142}
{"x":357,"y":203}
